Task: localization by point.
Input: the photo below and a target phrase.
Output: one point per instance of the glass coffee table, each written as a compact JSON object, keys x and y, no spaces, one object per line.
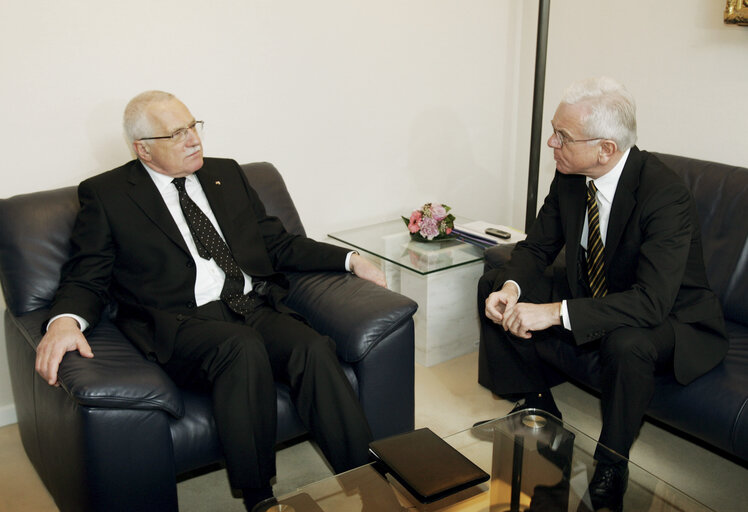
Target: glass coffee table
{"x":535,"y":461}
{"x":442,"y":277}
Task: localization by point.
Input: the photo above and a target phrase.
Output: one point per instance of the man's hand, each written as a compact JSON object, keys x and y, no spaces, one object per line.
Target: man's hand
{"x":498,"y":302}
{"x":365,"y":269}
{"x":63,"y":335}
{"x":523,"y":318}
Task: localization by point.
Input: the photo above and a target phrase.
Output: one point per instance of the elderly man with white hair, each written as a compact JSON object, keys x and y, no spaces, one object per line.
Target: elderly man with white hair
{"x":632,"y":294}
{"x":183,"y":246}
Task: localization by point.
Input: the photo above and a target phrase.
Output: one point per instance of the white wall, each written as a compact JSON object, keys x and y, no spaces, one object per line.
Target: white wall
{"x":687,"y":70}
{"x":353,"y":101}
{"x":369,"y":109}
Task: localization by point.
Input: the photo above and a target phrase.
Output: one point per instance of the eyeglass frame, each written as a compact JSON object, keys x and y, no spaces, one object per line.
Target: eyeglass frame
{"x":177,"y":134}
{"x":562,"y":139}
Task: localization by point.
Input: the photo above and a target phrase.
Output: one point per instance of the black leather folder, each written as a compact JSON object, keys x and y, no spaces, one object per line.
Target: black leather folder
{"x":426,"y":465}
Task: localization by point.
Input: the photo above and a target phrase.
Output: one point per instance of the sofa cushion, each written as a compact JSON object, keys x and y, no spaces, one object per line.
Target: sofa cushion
{"x":34,"y":244}
{"x":320,"y":297}
{"x":721,"y":195}
{"x":271,"y":188}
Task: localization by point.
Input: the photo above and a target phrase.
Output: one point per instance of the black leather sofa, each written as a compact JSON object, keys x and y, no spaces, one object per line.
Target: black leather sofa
{"x":714,"y":408}
{"x":118,"y":433}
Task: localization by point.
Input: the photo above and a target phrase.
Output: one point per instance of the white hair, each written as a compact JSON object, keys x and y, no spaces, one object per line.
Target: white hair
{"x":611,"y":109}
{"x":135,"y":121}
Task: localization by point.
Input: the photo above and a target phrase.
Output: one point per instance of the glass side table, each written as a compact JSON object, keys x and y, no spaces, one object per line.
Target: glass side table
{"x":442,"y":277}
{"x":390,"y":241}
{"x":536,"y":462}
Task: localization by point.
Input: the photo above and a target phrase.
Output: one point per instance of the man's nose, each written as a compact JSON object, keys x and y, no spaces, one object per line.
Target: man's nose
{"x":192,"y":136}
{"x":553,"y":141}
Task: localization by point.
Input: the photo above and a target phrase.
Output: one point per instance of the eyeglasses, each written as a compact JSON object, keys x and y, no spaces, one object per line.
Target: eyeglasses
{"x":562,"y":139}
{"x":181,"y":134}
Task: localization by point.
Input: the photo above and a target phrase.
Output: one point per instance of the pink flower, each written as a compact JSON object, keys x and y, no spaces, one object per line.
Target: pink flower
{"x":415,"y":221}
{"x":438,"y":211}
{"x":430,"y":221}
{"x":429,"y":228}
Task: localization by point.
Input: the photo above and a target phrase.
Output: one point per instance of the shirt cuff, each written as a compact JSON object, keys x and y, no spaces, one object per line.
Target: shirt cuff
{"x":83,"y":324}
{"x":348,"y":260}
{"x":565,"y":315}
{"x":515,"y":283}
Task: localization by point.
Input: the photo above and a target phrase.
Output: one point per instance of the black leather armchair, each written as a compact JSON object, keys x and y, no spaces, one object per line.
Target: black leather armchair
{"x":714,"y":408}
{"x":118,"y":433}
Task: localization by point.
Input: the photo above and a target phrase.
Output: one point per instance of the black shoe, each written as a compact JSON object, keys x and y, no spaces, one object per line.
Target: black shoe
{"x":548,"y":405}
{"x":517,"y":407}
{"x":559,"y":451}
{"x":608,"y":486}
{"x":535,"y":401}
{"x":543,"y":401}
{"x":550,"y":498}
{"x":265,"y":505}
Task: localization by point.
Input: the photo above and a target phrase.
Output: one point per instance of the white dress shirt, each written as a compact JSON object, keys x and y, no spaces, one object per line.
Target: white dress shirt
{"x":210,"y":277}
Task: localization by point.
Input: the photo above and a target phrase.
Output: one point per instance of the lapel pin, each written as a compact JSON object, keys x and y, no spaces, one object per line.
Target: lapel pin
{"x":218,"y":182}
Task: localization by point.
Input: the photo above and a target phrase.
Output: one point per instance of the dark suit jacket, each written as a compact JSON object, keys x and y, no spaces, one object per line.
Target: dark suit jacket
{"x":653,"y":262}
{"x":128,"y":251}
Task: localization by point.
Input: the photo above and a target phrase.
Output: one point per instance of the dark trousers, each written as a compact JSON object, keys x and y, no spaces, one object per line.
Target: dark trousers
{"x":627,"y":359}
{"x":239,"y":361}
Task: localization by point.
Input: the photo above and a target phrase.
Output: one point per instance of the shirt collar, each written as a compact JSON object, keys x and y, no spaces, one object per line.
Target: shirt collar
{"x":607,"y":183}
{"x":162,"y":181}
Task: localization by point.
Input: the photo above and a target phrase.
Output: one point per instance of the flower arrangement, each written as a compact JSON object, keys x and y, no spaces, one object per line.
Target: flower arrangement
{"x":431,"y":222}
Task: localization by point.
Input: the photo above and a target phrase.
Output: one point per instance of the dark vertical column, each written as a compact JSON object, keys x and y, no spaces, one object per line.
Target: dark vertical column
{"x":537,"y":113}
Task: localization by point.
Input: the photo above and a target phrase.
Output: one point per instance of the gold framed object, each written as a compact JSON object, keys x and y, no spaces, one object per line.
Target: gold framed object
{"x":736,"y":11}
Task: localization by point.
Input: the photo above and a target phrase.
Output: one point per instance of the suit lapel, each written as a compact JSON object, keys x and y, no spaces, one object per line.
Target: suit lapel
{"x":224,"y":192}
{"x":573,"y":189}
{"x":144,"y":193}
{"x":577,"y":196}
{"x":213,"y":185}
{"x":623,"y":202}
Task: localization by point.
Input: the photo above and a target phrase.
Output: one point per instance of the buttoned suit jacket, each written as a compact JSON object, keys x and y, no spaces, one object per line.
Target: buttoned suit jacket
{"x":653,"y":262}
{"x":127,"y":251}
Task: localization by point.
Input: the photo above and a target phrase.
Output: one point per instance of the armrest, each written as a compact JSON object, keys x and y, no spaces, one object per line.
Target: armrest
{"x":497,"y":255}
{"x":356,"y":313}
{"x":118,"y":376}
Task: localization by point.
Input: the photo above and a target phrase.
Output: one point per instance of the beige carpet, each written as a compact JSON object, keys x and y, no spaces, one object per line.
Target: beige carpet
{"x":448,"y":399}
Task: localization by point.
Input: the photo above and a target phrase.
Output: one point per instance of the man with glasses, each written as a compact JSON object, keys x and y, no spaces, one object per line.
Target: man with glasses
{"x":183,"y":246}
{"x":632,"y":294}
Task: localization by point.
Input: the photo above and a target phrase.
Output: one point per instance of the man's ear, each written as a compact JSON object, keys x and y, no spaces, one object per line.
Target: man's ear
{"x":142,"y":150}
{"x":608,"y":148}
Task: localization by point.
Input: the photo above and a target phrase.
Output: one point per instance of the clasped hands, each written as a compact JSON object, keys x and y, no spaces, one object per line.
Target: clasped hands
{"x":520,"y":318}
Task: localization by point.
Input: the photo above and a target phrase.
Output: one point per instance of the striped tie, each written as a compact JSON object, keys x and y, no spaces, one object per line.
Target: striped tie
{"x":595,"y":247}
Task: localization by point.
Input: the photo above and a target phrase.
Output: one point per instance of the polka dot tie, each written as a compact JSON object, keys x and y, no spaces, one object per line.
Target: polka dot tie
{"x":210,"y":244}
{"x":595,"y":247}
